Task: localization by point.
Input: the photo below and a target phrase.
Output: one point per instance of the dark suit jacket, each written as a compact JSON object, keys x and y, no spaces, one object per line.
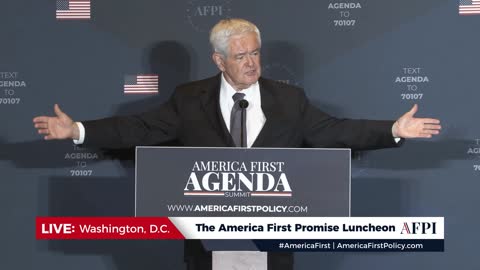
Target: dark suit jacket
{"x":192,"y":117}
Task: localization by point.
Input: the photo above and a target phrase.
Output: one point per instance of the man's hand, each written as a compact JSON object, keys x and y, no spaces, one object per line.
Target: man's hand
{"x":407,"y":126}
{"x":57,"y":127}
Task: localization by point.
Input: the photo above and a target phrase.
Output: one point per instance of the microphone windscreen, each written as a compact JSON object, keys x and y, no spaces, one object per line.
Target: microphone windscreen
{"x":243,"y":104}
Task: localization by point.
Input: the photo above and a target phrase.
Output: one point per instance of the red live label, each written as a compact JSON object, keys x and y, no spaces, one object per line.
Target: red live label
{"x":106,"y":228}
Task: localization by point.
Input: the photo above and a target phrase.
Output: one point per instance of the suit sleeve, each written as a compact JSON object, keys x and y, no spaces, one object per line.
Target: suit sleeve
{"x":323,"y":130}
{"x":153,"y":127}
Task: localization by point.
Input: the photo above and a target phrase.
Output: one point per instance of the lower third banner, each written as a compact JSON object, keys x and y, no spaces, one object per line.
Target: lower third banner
{"x":395,"y":234}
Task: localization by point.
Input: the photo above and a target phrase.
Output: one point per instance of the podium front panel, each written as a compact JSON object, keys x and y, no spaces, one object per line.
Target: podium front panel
{"x":194,"y":182}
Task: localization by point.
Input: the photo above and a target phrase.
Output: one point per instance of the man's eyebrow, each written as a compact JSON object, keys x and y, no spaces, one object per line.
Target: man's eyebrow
{"x":240,"y":54}
{"x":244,"y":53}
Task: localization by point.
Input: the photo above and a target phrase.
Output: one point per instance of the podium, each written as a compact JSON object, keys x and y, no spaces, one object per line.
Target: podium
{"x":242,"y":182}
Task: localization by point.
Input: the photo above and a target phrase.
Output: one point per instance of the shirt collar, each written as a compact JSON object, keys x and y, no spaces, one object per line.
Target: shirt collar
{"x":251,"y":93}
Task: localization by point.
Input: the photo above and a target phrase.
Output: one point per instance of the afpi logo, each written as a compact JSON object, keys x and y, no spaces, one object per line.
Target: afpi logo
{"x":203,"y":14}
{"x":419,"y":228}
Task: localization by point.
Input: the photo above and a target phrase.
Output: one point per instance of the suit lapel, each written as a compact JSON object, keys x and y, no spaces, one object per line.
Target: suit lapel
{"x":210,"y":99}
{"x":272,"y":114}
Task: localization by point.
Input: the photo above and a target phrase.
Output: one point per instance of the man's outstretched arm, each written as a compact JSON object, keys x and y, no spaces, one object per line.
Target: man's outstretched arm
{"x":323,"y":130}
{"x":153,"y":127}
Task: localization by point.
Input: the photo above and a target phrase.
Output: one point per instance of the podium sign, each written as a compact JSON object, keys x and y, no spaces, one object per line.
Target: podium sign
{"x":195,"y":182}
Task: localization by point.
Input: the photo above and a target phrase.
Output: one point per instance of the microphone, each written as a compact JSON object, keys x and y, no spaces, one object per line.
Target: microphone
{"x":243,"y":104}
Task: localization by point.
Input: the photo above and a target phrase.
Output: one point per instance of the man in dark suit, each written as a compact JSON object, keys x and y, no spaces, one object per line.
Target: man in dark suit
{"x":206,"y":113}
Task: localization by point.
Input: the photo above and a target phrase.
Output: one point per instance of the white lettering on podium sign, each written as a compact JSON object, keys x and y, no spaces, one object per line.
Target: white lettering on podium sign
{"x":238,"y":179}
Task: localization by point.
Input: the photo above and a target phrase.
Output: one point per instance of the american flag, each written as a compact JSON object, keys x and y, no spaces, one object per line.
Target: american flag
{"x":469,"y":7}
{"x":141,"y":84}
{"x":73,"y":9}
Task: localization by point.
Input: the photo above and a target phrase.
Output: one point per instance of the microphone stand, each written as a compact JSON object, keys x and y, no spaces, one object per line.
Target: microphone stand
{"x":243,"y":105}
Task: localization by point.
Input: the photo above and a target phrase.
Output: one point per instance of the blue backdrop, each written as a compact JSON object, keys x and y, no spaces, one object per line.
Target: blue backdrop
{"x":365,"y":59}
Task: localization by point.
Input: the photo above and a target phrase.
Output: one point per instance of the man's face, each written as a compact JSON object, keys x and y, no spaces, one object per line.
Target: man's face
{"x":241,"y":67}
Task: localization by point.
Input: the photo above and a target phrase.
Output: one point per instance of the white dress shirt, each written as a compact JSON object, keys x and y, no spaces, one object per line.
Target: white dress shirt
{"x":255,"y":116}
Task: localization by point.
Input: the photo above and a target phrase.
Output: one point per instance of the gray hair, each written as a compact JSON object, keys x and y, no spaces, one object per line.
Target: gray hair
{"x":222,"y":32}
